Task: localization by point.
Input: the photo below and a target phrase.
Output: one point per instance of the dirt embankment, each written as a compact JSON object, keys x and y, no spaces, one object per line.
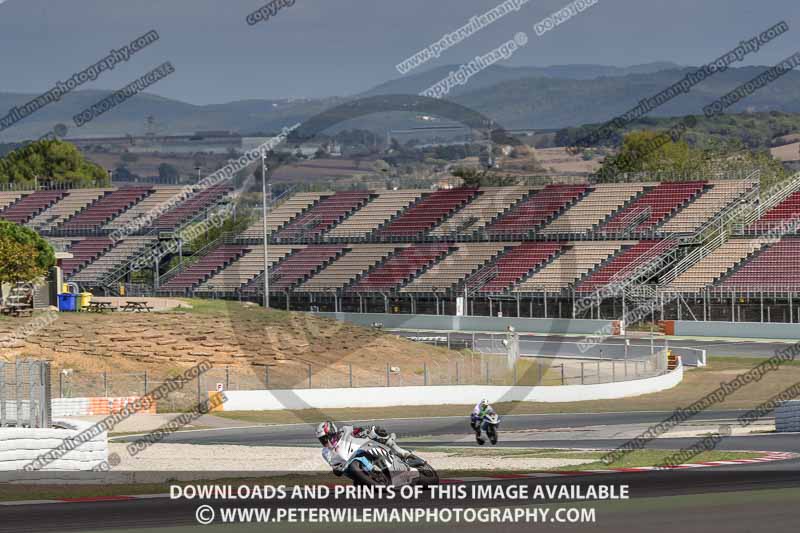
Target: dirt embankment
{"x":243,"y":338}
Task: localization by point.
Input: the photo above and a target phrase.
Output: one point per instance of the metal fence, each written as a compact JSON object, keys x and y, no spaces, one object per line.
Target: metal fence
{"x":25,"y":393}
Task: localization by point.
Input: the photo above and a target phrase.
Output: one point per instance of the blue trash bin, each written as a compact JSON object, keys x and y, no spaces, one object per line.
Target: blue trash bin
{"x":67,"y":302}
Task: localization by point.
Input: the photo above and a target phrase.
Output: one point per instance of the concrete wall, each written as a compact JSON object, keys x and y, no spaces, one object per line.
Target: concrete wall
{"x":753,"y":330}
{"x":473,"y":323}
{"x":20,"y":446}
{"x":787,"y":416}
{"x":276,"y":400}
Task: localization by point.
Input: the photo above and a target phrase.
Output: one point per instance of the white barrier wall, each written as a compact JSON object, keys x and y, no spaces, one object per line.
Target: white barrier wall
{"x":20,"y":446}
{"x":787,"y":416}
{"x":277,"y":400}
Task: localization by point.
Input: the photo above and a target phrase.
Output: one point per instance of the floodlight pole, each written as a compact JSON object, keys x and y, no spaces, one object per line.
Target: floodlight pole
{"x":264,"y":221}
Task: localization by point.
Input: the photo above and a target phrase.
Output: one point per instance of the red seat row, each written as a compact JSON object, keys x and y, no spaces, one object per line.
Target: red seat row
{"x":31,"y":205}
{"x":428,"y":212}
{"x":661,"y":201}
{"x":204,"y":268}
{"x":508,"y":269}
{"x":106,"y":208}
{"x":401,"y":267}
{"x":321,"y":217}
{"x":536,"y":210}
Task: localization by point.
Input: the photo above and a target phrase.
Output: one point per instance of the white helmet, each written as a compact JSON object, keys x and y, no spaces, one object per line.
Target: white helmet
{"x":484,"y":403}
{"x":326,"y":433}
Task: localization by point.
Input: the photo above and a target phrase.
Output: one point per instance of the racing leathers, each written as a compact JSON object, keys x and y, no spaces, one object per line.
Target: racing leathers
{"x":337,"y":458}
{"x":478,"y":417}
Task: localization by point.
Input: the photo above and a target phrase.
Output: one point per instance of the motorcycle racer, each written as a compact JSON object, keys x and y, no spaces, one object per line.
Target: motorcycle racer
{"x":477,"y":418}
{"x":330,"y":436}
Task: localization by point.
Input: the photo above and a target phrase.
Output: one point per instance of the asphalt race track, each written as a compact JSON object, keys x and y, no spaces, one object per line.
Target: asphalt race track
{"x":613,"y":347}
{"x":729,"y":498}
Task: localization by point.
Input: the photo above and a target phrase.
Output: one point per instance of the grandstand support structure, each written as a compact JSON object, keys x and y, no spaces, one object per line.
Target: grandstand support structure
{"x":635,"y":276}
{"x":716,"y":231}
{"x":155,"y":253}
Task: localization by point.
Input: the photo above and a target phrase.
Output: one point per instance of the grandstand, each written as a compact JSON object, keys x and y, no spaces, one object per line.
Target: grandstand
{"x":560,"y":242}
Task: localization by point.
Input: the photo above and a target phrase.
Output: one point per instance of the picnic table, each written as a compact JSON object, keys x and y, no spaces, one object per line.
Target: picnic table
{"x":99,"y":307}
{"x":136,"y":307}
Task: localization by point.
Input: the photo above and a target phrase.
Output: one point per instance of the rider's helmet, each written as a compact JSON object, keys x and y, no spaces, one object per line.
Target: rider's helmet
{"x":328,"y":434}
{"x":484,"y":403}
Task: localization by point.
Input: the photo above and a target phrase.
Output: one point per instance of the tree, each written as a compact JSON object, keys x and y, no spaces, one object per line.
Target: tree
{"x":167,"y":173}
{"x":24,"y":255}
{"x":473,"y":177}
{"x":653,"y":152}
{"x":50,"y":161}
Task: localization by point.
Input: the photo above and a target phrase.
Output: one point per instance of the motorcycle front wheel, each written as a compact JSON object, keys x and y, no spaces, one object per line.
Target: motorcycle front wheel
{"x":491,"y":431}
{"x":427,"y":475}
{"x":360,"y":476}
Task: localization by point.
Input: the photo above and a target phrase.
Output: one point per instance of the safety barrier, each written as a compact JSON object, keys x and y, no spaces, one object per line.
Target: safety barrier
{"x":787,"y":417}
{"x":296,"y":399}
{"x":20,"y":446}
{"x":96,"y":406}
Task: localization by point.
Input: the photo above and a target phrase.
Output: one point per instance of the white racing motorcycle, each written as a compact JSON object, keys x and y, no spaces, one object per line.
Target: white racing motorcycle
{"x":490,"y":424}
{"x":368,"y":462}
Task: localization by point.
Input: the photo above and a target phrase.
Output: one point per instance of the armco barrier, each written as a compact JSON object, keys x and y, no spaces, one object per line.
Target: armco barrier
{"x":95,"y":406}
{"x":295,"y":399}
{"x":20,"y":446}
{"x":474,"y":323}
{"x":787,"y":416}
{"x":752,"y":330}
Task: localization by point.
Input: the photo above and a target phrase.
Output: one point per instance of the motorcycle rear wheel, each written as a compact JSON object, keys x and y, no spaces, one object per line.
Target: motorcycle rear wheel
{"x":427,"y":476}
{"x":360,"y":476}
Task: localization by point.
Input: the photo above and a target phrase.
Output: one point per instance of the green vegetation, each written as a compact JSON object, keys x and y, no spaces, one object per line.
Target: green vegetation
{"x":50,"y":162}
{"x":663,"y":158}
{"x":24,"y":255}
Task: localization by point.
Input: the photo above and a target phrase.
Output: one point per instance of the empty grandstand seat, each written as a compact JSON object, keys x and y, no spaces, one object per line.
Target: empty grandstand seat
{"x":655,"y":205}
{"x":74,"y":201}
{"x":629,"y":258}
{"x":122,"y":252}
{"x":322,"y":216}
{"x":400,"y":267}
{"x":456,"y":267}
{"x":358,"y":259}
{"x":203,"y":268}
{"x":512,"y":267}
{"x":105,"y":208}
{"x":427,"y":213}
{"x":713,"y":266}
{"x":238,"y":274}
{"x":282,"y":214}
{"x":84,"y":252}
{"x":602,"y":201}
{"x":579,"y":259}
{"x":704,"y":208}
{"x":488,"y":205}
{"x":386,"y":205}
{"x":301,"y":265}
{"x":31,"y":205}
{"x":773,"y":269}
{"x":531,"y":213}
{"x":787,"y":211}
{"x":196,"y":204}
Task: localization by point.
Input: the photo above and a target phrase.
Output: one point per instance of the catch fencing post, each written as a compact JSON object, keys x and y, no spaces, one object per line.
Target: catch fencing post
{"x":199,"y":377}
{"x":448,"y":340}
{"x":598,"y":370}
{"x":227,"y":377}
{"x":581,"y":372}
{"x":613,"y":371}
{"x":388,"y":382}
{"x":266,"y":377}
{"x":351,"y":374}
{"x":60,"y":384}
{"x":425,"y":373}
{"x":2,"y":394}
{"x":458,"y":375}
{"x":145,"y":382}
{"x":309,"y":375}
{"x":105,"y":384}
{"x":562,"y":373}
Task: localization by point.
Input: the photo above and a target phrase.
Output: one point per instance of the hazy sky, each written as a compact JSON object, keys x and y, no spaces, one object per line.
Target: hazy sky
{"x":340,"y":47}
